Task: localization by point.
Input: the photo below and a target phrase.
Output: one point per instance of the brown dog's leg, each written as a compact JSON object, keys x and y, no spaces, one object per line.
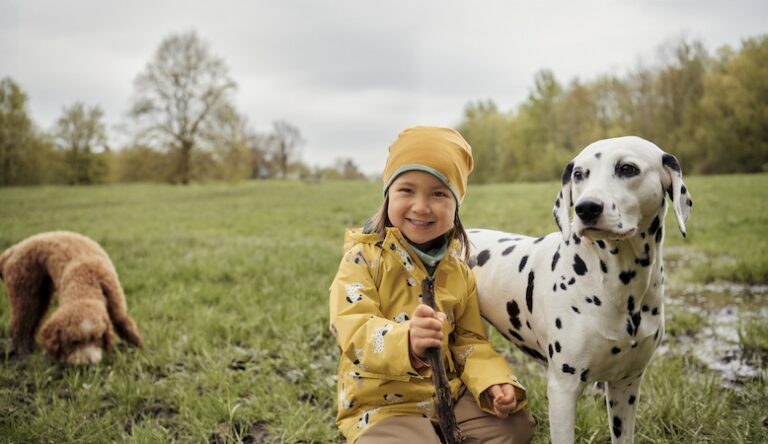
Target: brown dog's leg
{"x":29,"y":296}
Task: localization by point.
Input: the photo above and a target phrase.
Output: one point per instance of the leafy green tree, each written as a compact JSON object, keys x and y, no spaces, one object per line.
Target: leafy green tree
{"x":78,"y":133}
{"x":730,"y":130}
{"x":484,"y":127}
{"x":26,"y":157}
{"x":177,"y":99}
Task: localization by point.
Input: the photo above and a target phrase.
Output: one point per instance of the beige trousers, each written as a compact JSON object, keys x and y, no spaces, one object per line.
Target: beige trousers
{"x":477,"y":426}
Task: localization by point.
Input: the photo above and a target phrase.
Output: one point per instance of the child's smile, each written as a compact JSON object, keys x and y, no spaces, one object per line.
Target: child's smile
{"x":421,"y":206}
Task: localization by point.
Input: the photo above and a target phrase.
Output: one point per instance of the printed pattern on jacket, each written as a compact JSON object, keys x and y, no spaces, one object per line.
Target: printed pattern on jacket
{"x":377,"y":286}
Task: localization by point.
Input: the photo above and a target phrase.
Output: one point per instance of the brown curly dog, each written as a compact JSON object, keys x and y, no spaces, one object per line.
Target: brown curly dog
{"x":91,"y":300}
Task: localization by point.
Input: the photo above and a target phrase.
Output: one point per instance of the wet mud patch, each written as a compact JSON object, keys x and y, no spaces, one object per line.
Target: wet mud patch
{"x":719,"y":342}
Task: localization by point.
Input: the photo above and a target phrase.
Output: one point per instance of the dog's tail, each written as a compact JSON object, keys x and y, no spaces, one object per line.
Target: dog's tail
{"x":118,"y":312}
{"x":3,"y":258}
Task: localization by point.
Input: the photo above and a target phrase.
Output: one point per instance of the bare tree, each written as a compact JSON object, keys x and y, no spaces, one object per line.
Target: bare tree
{"x":78,"y":132}
{"x":177,"y":96}
{"x":285,"y":144}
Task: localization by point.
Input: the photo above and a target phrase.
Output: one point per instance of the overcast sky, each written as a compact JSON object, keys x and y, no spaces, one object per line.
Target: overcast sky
{"x":351,"y":74}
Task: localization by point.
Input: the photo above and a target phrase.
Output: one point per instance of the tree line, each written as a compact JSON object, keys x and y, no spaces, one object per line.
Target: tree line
{"x":710,"y":110}
{"x":182,"y":126}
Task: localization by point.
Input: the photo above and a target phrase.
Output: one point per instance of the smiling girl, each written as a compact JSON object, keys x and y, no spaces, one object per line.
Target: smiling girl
{"x":385,"y":391}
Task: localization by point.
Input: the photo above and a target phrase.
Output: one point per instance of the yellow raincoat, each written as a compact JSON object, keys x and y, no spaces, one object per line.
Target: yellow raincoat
{"x":377,"y":287}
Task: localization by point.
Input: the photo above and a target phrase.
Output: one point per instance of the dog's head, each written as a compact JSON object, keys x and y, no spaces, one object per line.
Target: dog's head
{"x":79,"y":333}
{"x":617,"y":188}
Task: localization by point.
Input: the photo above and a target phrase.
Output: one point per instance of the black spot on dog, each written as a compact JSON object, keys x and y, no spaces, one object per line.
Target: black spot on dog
{"x":603,"y":266}
{"x":597,"y":155}
{"x":562,"y":285}
{"x":504,"y":239}
{"x":557,"y":203}
{"x":576,"y":239}
{"x":555,"y":258}
{"x":550,"y":351}
{"x":474,"y":231}
{"x":522,"y":263}
{"x":683,"y":190}
{"x":615,"y":251}
{"x":615,"y":350}
{"x":645,"y":308}
{"x":627,"y":276}
{"x":621,"y":225}
{"x":571,"y":281}
{"x":557,"y":346}
{"x":588,"y":299}
{"x":579,"y":266}
{"x":516,"y":335}
{"x":601,"y":244}
{"x":558,"y":323}
{"x":689,"y":202}
{"x":554,"y":287}
{"x":597,"y":300}
{"x":585,"y":375}
{"x":568,"y":369}
{"x":472,"y":262}
{"x":528,"y":324}
{"x":567,"y":171}
{"x":659,"y":235}
{"x":632,"y":399}
{"x":654,"y":225}
{"x":631,"y":304}
{"x":655,"y":311}
{"x":538,"y":240}
{"x":670,"y":161}
{"x":529,"y":292}
{"x":514,"y":314}
{"x":616,"y":427}
{"x":612,"y":403}
{"x":575,"y":309}
{"x":508,"y":250}
{"x":483,"y":257}
{"x":532,"y":353}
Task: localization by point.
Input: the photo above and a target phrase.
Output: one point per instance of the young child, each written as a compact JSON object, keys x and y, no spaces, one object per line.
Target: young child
{"x":385,"y":391}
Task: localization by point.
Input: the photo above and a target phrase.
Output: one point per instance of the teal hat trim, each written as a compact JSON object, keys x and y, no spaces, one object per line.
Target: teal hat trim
{"x":425,"y":169}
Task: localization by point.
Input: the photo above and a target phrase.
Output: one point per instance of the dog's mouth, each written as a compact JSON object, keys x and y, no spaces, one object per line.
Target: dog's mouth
{"x":596,"y":233}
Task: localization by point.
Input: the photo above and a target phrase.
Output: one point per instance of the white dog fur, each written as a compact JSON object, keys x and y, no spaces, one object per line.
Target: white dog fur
{"x":588,"y":300}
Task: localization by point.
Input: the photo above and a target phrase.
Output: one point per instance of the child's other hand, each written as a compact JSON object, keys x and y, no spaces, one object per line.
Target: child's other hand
{"x":502,"y":398}
{"x":426,"y":330}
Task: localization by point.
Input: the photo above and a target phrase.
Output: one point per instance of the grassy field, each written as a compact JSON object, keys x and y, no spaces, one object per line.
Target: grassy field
{"x":229,"y":286}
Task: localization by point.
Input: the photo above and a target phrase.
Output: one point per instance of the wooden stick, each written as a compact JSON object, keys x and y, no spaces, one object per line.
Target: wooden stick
{"x":445,"y":415}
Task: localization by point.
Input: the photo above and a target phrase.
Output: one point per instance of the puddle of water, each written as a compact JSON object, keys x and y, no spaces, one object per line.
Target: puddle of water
{"x":724,"y":307}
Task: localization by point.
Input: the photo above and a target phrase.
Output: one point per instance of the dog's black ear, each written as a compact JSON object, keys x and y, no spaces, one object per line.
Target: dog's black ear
{"x":673,"y":184}
{"x":562,"y":209}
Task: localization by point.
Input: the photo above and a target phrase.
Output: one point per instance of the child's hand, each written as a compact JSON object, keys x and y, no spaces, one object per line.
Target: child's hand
{"x":502,"y":398}
{"x":426,"y":330}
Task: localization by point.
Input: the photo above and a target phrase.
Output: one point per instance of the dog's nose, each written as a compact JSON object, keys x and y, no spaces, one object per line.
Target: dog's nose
{"x":589,"y":211}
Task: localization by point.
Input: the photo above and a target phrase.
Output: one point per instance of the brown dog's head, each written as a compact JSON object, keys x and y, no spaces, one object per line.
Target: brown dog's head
{"x":79,"y":332}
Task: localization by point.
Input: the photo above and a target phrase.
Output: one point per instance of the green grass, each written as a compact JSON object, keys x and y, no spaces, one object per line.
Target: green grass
{"x":753,"y":336}
{"x":229,"y":285}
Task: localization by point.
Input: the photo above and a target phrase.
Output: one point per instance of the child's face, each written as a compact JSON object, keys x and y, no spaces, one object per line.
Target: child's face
{"x":421,"y":206}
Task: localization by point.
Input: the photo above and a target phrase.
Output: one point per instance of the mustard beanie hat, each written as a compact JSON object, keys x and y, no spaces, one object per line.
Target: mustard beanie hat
{"x":441,"y":152}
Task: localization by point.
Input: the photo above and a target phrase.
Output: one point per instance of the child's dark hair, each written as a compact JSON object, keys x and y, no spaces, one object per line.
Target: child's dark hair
{"x":380,"y":221}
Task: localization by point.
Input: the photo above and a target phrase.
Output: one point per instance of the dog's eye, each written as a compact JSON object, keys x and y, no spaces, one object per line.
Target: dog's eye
{"x":628,"y":170}
{"x":578,"y":176}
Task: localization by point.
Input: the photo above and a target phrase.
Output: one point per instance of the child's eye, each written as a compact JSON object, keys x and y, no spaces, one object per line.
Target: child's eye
{"x":441,"y":194}
{"x":404,"y":190}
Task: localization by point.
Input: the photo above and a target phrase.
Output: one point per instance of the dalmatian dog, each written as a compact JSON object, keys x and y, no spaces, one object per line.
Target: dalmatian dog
{"x":587,"y":301}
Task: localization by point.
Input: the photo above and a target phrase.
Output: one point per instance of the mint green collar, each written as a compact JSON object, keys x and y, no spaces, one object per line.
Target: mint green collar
{"x":432,"y":257}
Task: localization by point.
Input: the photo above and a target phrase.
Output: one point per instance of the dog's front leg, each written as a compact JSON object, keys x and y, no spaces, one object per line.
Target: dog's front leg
{"x":562,"y":391}
{"x":622,"y":397}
